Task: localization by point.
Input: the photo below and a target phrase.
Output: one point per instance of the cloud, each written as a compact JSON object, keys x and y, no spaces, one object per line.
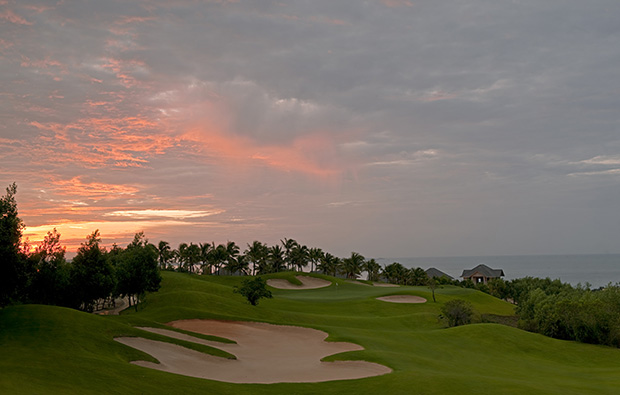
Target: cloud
{"x":153,"y":214}
{"x":418,"y":124}
{"x":12,"y":17}
{"x":93,"y":190}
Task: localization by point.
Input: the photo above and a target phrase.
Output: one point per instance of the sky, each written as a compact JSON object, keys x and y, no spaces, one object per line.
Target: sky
{"x":392,"y":128}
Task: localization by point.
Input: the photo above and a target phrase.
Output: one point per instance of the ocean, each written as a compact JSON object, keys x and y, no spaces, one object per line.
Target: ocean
{"x":597,"y":270}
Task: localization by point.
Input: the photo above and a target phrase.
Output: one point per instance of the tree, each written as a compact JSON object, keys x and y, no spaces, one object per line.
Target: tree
{"x":205,"y":261}
{"x":253,"y":289}
{"x":417,"y":277}
{"x":218,"y":256}
{"x":431,"y":283}
{"x":13,"y":276}
{"x":232,"y":256}
{"x":50,"y":281}
{"x":373,"y":269}
{"x":257,"y":253}
{"x":192,"y":257}
{"x":164,"y":254}
{"x":138,"y":272}
{"x":395,"y":273}
{"x":352,"y":266}
{"x":275,"y":259}
{"x":92,"y":276}
{"x":315,"y":255}
{"x":181,"y":257}
{"x":329,"y":264}
{"x":457,"y":312}
{"x":288,"y":245}
{"x":299,"y":256}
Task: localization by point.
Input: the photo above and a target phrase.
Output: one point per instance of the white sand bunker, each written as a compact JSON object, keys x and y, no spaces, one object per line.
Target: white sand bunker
{"x":265,"y":354}
{"x":402,"y":299}
{"x":306,"y":281}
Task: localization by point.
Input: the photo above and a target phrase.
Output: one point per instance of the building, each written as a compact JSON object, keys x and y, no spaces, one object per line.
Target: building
{"x":436,"y":273}
{"x":481,"y":274}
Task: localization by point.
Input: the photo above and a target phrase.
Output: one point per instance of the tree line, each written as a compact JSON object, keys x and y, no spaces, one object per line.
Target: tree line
{"x":94,"y":278}
{"x":561,"y":310}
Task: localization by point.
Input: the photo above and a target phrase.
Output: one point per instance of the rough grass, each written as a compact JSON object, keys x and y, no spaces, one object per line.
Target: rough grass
{"x":54,"y":350}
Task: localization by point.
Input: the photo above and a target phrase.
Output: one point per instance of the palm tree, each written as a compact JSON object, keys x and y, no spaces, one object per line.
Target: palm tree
{"x":352,"y":266}
{"x":257,"y":254}
{"x":288,"y":244}
{"x":218,"y":256}
{"x":181,"y":255}
{"x":276,"y":260}
{"x":299,"y":257}
{"x":232,"y":254}
{"x":373,"y":269}
{"x":192,"y":256}
{"x":418,"y":276}
{"x":315,"y":255}
{"x":164,"y":254}
{"x":238,"y":265}
{"x":395,"y":273}
{"x":205,"y":262}
{"x":329,"y":264}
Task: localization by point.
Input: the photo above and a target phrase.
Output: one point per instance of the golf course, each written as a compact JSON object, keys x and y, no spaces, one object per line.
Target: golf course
{"x":404,"y":347}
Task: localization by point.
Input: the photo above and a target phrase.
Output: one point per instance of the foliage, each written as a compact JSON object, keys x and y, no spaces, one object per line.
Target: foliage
{"x":373,"y":269}
{"x":431,"y":283}
{"x":351,"y":267}
{"x":13,"y":273}
{"x":137,"y":271}
{"x":563,"y":312}
{"x":329,"y":264}
{"x":164,"y":254}
{"x":457,"y":312}
{"x":254,"y":289}
{"x":50,"y":283}
{"x":92,"y":275}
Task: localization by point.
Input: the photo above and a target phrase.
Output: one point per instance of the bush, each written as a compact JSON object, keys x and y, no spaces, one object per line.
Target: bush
{"x":457,"y":312}
{"x":253,"y":290}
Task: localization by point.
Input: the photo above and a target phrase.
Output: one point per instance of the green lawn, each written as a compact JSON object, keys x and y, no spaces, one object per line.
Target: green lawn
{"x":55,"y":350}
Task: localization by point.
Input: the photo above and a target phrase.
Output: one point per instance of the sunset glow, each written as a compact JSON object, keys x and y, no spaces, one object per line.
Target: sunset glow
{"x":387,"y":127}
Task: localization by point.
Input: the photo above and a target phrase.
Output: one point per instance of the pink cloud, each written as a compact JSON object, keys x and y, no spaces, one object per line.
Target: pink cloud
{"x":14,"y":18}
{"x":102,"y":142}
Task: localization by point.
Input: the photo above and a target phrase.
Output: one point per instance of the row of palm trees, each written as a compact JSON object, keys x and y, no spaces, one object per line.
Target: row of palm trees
{"x":259,"y":258}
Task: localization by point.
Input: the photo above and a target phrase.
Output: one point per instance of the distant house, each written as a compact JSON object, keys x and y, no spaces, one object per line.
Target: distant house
{"x":481,"y":274}
{"x":436,"y":273}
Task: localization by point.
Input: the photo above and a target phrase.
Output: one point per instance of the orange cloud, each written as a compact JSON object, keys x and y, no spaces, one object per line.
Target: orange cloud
{"x":75,"y":232}
{"x":93,"y":190}
{"x":100,"y":142}
{"x":304,"y":155}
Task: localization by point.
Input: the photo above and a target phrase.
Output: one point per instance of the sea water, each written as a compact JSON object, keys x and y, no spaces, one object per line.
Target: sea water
{"x":596,"y":270}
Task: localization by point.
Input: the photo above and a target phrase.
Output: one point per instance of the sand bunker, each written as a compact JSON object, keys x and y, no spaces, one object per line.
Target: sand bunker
{"x":265,"y":354}
{"x":306,"y":281}
{"x":402,"y":299}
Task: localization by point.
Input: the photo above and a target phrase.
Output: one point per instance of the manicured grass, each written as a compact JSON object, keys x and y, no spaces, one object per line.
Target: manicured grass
{"x":48,"y":349}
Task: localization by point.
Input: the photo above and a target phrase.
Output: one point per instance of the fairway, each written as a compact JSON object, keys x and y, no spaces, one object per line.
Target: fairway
{"x":49,"y":349}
